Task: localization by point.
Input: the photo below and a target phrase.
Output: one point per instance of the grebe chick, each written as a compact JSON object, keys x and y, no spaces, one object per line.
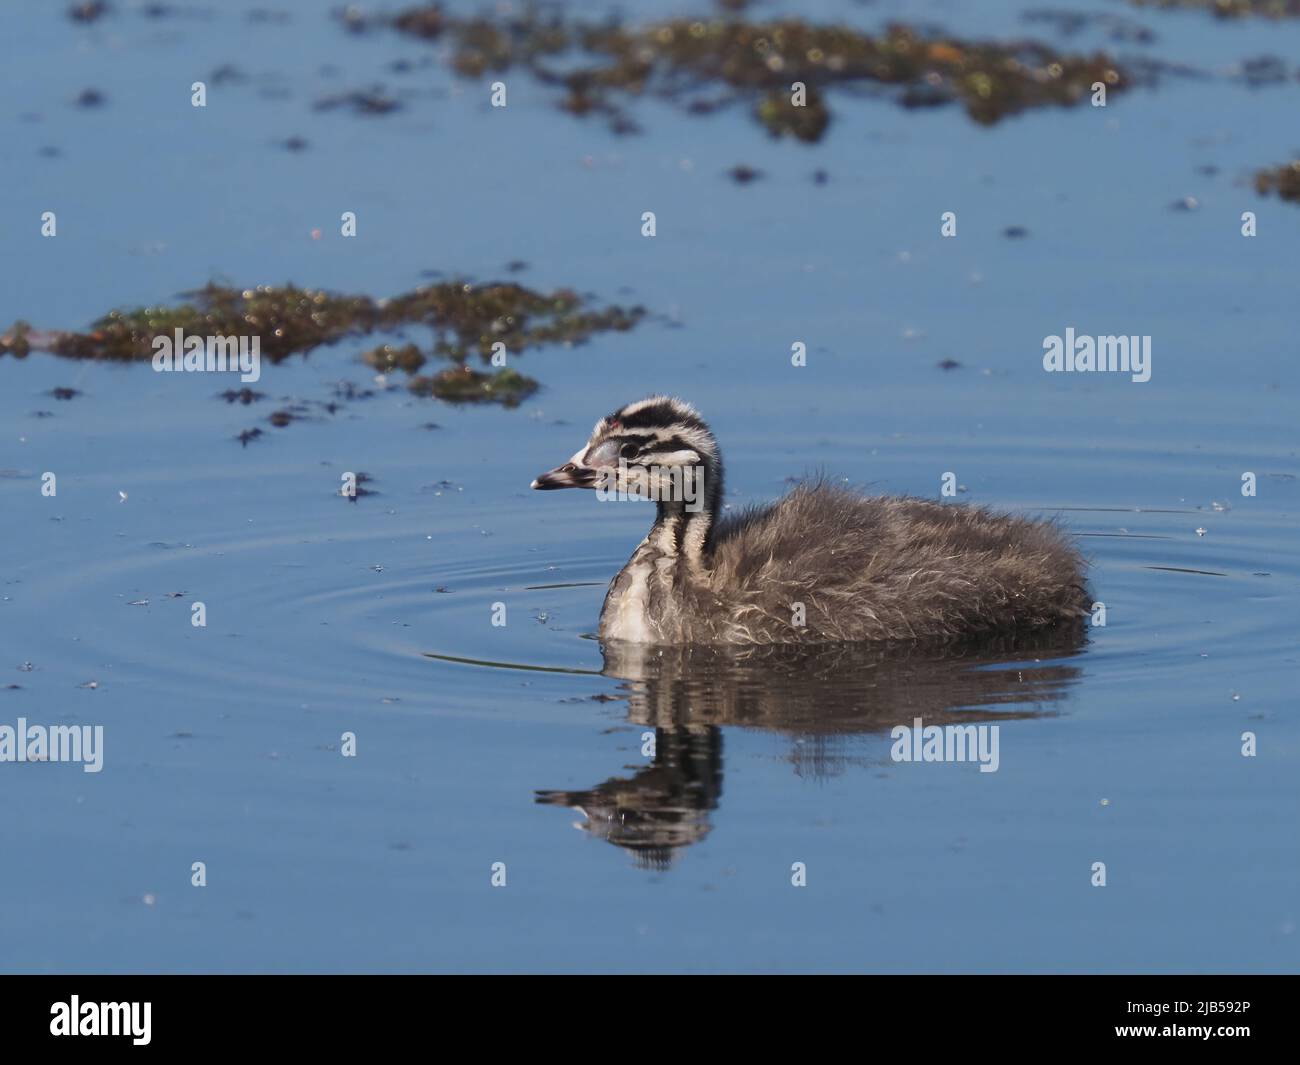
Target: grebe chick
{"x":822,"y":564}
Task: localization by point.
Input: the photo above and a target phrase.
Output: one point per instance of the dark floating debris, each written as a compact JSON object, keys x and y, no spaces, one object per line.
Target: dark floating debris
{"x":1229,"y":8}
{"x":1284,"y":180}
{"x":294,"y":144}
{"x":354,"y":491}
{"x":244,"y":396}
{"x":1015,"y":232}
{"x":490,"y":320}
{"x":1263,"y":70}
{"x":227,"y":74}
{"x":64,"y":393}
{"x":686,"y":61}
{"x":88,"y":12}
{"x":90,"y":98}
{"x":949,"y":364}
{"x":247,"y":435}
{"x":743,"y":175}
{"x":362,"y":101}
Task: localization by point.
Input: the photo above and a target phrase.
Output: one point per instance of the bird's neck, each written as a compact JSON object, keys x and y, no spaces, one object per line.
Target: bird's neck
{"x":679,"y":533}
{"x":684,"y":529}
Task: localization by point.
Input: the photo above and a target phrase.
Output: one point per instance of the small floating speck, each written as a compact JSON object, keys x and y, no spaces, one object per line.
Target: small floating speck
{"x":1201,"y":530}
{"x":743,"y":175}
{"x":138,"y":602}
{"x":121,"y":497}
{"x":90,"y":685}
{"x":88,"y":11}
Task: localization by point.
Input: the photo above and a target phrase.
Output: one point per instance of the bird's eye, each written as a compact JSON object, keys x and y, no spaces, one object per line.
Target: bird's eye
{"x":628,"y":450}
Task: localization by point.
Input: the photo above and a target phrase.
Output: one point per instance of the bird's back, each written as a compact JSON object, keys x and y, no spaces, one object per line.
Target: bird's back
{"x":854,"y":567}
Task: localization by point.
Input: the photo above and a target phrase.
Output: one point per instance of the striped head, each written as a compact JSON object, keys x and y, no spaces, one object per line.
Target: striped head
{"x":657,"y":448}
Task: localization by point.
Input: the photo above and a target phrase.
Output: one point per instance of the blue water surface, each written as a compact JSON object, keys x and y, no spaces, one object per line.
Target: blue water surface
{"x":324,"y":616}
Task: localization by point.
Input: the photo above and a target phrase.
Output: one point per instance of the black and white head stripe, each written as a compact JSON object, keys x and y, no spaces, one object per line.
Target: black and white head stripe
{"x":663,"y":428}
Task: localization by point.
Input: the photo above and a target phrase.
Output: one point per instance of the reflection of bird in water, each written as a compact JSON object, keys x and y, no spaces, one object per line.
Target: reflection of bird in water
{"x":661,"y":809}
{"x":819,"y":696}
{"x":822,"y":564}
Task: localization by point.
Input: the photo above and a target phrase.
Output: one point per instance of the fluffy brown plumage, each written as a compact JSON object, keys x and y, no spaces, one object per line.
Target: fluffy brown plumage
{"x":880,"y":568}
{"x":821,"y":564}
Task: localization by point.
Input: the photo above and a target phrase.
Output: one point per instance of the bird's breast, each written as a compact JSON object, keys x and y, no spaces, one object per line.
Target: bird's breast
{"x":626,"y":614}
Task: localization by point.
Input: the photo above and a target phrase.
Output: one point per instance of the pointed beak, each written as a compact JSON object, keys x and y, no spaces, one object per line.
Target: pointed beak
{"x":569,"y":475}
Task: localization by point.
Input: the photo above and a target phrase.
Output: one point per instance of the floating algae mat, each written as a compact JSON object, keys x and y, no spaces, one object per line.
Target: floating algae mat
{"x":1284,"y":180}
{"x":705,"y":64}
{"x":1230,"y":8}
{"x":488,"y":320}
